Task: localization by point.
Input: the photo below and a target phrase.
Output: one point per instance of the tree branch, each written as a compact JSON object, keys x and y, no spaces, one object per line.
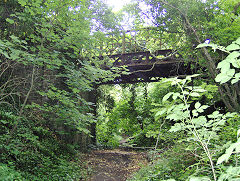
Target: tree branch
{"x":23,"y":105}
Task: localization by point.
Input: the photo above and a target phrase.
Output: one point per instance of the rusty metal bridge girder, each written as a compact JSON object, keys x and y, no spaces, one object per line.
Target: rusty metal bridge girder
{"x":145,"y":67}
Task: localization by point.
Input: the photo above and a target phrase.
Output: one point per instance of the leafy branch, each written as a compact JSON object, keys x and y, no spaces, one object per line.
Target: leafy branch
{"x":202,"y":128}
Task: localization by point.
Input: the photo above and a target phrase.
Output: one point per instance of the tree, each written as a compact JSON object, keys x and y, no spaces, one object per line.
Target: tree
{"x":48,"y":71}
{"x":193,"y":22}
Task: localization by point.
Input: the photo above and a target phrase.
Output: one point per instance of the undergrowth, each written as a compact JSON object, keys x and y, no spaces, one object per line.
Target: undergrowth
{"x":34,"y":152}
{"x":175,"y":162}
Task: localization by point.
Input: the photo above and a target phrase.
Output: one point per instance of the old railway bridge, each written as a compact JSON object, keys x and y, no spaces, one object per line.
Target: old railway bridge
{"x":126,"y":49}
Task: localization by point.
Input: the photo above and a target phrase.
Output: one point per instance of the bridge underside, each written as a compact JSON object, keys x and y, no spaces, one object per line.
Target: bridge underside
{"x":146,"y":68}
{"x":152,"y":73}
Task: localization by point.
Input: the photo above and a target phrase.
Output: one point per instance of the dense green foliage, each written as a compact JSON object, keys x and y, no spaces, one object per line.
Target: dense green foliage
{"x":183,"y":24}
{"x":47,"y":72}
{"x":175,"y":162}
{"x":173,"y":124}
{"x":199,"y":153}
{"x":35,"y":153}
{"x":187,"y":115}
{"x":51,"y":58}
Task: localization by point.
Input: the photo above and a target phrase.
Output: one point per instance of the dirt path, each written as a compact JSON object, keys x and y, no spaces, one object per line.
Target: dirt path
{"x":114,"y":165}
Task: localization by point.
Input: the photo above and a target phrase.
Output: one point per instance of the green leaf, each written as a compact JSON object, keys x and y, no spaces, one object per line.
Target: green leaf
{"x":170,"y":109}
{"x":231,"y":174}
{"x":203,"y":45}
{"x":10,"y":21}
{"x":4,"y":121}
{"x":189,"y":77}
{"x":194,"y":94}
{"x":171,"y":116}
{"x":212,"y":45}
{"x":221,"y":77}
{"x":237,"y":148}
{"x":175,"y":96}
{"x":195,"y":113}
{"x":204,"y":107}
{"x":166,"y":97}
{"x":185,"y":92}
{"x":15,"y":39}
{"x":232,"y":47}
{"x":237,"y":76}
{"x":22,"y":2}
{"x":238,"y":133}
{"x":236,"y":63}
{"x":189,"y":87}
{"x":161,"y":112}
{"x":176,"y":127}
{"x":176,"y":81}
{"x":233,"y":81}
{"x":197,"y":105}
{"x":226,"y":76}
{"x":200,"y":120}
{"x":199,"y":90}
{"x":223,"y":63}
{"x":214,"y":115}
{"x":238,"y":41}
{"x":75,"y":90}
{"x":231,"y":72}
{"x":233,"y":55}
{"x":223,"y":158}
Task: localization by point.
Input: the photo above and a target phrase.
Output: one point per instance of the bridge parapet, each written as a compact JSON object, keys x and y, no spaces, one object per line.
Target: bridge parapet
{"x":137,"y":40}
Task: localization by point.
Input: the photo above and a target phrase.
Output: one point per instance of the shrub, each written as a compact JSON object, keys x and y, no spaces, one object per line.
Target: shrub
{"x":34,"y":152}
{"x":172,"y":163}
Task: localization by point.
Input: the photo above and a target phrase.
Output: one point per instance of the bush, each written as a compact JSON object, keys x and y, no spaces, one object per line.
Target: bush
{"x":34,"y":152}
{"x":173,"y":163}
{"x":8,"y":173}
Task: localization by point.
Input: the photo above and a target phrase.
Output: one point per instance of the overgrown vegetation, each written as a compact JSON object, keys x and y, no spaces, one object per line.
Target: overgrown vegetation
{"x":192,"y":123}
{"x":46,"y":59}
{"x":52,"y":55}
